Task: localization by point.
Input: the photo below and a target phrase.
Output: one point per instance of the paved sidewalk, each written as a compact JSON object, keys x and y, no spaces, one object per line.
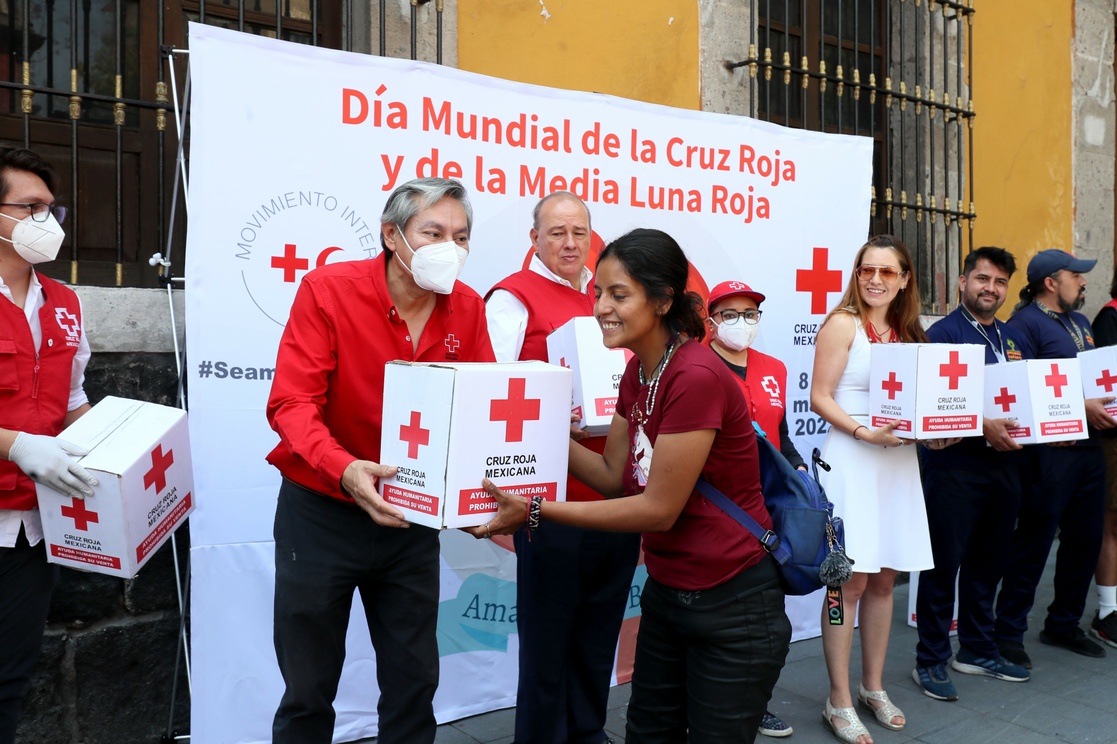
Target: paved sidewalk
{"x":1070,"y":698}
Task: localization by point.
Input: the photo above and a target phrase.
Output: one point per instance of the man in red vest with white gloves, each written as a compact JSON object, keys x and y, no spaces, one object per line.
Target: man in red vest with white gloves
{"x":572,"y":583}
{"x":43,"y":353}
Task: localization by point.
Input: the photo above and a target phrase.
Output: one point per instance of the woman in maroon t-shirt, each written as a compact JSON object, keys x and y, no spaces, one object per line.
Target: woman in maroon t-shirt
{"x":713,"y":635}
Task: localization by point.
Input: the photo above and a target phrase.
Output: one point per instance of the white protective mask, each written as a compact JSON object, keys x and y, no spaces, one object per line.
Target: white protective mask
{"x":36,"y":242}
{"x":436,"y":266}
{"x":736,"y":335}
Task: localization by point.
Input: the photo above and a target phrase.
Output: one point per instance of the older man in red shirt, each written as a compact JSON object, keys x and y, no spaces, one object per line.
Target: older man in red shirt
{"x":333,"y":532}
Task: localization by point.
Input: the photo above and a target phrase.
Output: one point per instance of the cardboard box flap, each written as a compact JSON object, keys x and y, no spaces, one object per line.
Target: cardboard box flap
{"x":120,"y":446}
{"x":466,"y":366}
{"x":90,"y":431}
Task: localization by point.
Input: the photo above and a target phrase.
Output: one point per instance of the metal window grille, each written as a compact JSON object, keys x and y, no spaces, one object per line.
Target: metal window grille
{"x":898,"y":71}
{"x":86,"y":84}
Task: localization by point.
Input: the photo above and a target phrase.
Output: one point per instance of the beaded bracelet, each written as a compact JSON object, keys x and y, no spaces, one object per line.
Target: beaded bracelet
{"x":534,"y":512}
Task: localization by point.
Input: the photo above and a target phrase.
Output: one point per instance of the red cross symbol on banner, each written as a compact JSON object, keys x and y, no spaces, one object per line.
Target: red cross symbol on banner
{"x":415,"y":435}
{"x":452,"y":343}
{"x":1107,"y":380}
{"x":562,"y":363}
{"x":1056,"y":381}
{"x":81,"y":516}
{"x":953,"y":369}
{"x":515,"y":410}
{"x":1005,"y":399}
{"x":892,"y":385}
{"x":157,"y":476}
{"x":818,"y":280}
{"x":290,"y":263}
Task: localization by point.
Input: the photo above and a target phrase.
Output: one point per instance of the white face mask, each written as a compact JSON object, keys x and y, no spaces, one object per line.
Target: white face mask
{"x":436,"y":266}
{"x":736,"y":335}
{"x":36,"y":242}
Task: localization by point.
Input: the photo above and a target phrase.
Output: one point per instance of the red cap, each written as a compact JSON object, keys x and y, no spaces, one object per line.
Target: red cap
{"x":731,"y":289}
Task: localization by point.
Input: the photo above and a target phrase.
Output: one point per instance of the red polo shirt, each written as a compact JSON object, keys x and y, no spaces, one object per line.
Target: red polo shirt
{"x":328,"y":391}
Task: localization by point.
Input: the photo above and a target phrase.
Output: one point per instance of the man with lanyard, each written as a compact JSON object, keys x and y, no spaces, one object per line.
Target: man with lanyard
{"x":973,"y":492}
{"x":572,"y":583}
{"x":333,"y":532}
{"x":1065,"y":485}
{"x":43,"y":354}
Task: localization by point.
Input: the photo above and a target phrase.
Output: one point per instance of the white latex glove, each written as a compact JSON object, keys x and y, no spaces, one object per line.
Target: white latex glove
{"x":48,"y":460}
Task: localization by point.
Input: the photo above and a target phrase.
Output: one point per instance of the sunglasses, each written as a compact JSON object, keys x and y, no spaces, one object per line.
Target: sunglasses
{"x":887,"y":273}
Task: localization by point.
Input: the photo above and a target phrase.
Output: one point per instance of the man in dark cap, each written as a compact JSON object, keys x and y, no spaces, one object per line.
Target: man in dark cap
{"x":1066,"y":486}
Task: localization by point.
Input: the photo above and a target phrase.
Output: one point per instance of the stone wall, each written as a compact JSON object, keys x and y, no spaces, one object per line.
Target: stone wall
{"x":1094,"y":112}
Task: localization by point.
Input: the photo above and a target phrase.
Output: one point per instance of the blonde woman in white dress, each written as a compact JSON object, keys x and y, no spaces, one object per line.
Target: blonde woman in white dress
{"x":874,"y":482}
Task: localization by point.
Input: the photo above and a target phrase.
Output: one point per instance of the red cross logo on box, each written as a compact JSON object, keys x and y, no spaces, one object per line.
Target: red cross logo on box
{"x":819,"y":281}
{"x":81,"y":516}
{"x":954,"y":370}
{"x":1005,"y":399}
{"x":415,"y":436}
{"x":892,"y":385}
{"x":1107,"y":380}
{"x":290,"y":263}
{"x":515,"y":410}
{"x":157,"y":476}
{"x":1056,"y":381}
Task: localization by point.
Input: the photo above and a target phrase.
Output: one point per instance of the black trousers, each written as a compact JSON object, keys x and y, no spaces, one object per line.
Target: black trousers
{"x":324,"y":550}
{"x":1066,"y":492}
{"x":572,"y":589}
{"x":26,"y":583}
{"x":971,"y":514}
{"x":706,"y":662}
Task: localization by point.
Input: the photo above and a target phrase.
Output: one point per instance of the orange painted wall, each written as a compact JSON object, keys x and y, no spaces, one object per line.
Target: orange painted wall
{"x":641,"y":49}
{"x":1023,"y":131}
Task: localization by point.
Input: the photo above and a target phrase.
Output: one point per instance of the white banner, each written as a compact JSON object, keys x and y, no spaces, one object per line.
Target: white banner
{"x":293,"y":152}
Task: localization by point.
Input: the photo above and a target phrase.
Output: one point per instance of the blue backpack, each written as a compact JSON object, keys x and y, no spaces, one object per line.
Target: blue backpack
{"x":806,"y":538}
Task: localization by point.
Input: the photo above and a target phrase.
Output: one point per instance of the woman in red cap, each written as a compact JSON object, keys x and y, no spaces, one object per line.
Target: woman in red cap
{"x":733,"y":317}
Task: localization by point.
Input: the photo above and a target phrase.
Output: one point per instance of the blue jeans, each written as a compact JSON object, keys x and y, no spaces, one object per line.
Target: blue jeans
{"x":706,"y":662}
{"x":324,"y":550}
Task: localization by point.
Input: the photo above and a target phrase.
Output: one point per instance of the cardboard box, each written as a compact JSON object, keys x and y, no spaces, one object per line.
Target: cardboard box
{"x":447,"y":426}
{"x":913,"y":600}
{"x":597,"y":369}
{"x":1043,"y":395}
{"x":1099,"y":374}
{"x":140,"y":454}
{"x":936,"y":390}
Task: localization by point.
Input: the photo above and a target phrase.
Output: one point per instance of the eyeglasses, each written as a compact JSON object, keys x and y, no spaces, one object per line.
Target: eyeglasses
{"x":40,"y":211}
{"x":752,"y":317}
{"x":887,"y":273}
